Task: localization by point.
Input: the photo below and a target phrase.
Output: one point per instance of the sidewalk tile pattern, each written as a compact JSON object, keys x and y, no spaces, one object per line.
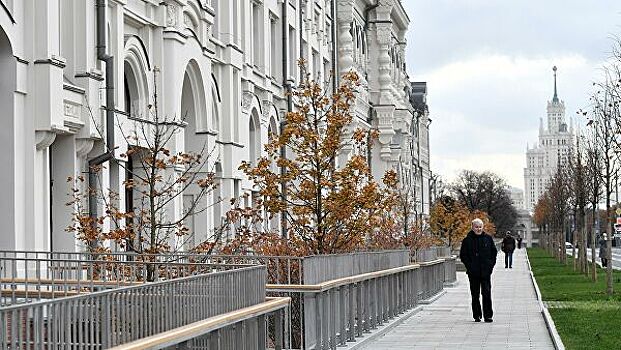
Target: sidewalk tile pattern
{"x":447,"y":323}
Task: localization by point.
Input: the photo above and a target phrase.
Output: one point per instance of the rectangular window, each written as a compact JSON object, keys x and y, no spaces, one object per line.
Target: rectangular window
{"x":275,"y":48}
{"x":326,"y":70}
{"x":316,"y":65}
{"x":293,"y":56}
{"x":257,"y":47}
{"x":215,"y":28}
{"x":236,"y":96}
{"x":304,"y":53}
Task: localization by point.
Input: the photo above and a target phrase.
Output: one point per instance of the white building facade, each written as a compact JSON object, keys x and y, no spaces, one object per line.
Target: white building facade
{"x":552,"y":150}
{"x":75,"y":72}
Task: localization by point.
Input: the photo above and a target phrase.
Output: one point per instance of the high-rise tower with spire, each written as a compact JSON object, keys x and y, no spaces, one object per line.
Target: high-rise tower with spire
{"x":552,"y":150}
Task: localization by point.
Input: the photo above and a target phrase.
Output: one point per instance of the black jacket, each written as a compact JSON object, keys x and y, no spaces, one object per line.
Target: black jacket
{"x":478,"y":254}
{"x":508,"y":244}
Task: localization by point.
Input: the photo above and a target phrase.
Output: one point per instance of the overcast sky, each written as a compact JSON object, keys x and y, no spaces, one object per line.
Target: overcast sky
{"x":488,"y":67}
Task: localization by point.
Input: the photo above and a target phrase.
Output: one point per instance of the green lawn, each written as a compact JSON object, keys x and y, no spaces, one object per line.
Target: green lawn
{"x":589,"y":319}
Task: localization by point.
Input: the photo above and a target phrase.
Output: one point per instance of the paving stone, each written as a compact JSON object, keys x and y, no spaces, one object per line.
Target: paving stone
{"x":447,"y":323}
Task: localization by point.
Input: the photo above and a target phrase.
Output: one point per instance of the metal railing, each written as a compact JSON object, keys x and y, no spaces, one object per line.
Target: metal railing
{"x":321,"y":268}
{"x":334,"y":298}
{"x":281,"y":269}
{"x":255,"y":327}
{"x":26,"y":279}
{"x":332,"y":313}
{"x":112,"y":317}
{"x":430,"y":254}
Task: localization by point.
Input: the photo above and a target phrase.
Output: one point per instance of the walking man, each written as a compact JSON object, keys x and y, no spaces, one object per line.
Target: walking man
{"x":519,"y":240}
{"x":508,"y":246}
{"x":478,"y":254}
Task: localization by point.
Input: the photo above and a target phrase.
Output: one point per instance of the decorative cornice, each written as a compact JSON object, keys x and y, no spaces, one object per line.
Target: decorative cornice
{"x":54,"y":61}
{"x":73,"y":88}
{"x":94,"y":74}
{"x":19,"y":59}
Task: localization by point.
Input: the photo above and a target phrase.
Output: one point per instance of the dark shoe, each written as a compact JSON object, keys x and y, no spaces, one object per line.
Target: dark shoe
{"x":510,"y":267}
{"x":505,"y":267}
{"x":488,"y":320}
{"x":477,"y":320}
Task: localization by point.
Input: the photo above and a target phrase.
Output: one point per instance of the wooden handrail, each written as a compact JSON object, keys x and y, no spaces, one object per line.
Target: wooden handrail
{"x":59,"y":281}
{"x":197,"y":329}
{"x":321,"y":287}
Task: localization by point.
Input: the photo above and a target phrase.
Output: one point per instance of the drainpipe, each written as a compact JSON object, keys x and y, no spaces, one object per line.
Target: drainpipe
{"x":109,"y":62}
{"x":101,"y":6}
{"x":300,"y":31}
{"x":283,"y":121}
{"x":334,"y":48}
{"x":369,"y":139}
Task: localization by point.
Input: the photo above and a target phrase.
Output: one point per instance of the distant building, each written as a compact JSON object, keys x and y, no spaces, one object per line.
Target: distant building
{"x":517,"y":197}
{"x":552,"y":150}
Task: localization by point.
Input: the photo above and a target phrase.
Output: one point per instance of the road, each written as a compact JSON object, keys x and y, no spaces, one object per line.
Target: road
{"x":616,"y":256}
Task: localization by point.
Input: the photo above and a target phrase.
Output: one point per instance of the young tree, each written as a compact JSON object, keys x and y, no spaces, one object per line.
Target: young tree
{"x":327,"y":208}
{"x":578,"y":175}
{"x":603,"y":125}
{"x":541,"y":217}
{"x":450,"y":220}
{"x":150,"y":221}
{"x":594,"y":172}
{"x":560,"y":194}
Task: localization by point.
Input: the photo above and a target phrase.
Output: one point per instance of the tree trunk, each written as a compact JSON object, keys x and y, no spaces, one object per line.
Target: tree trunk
{"x":593,"y":259}
{"x":609,"y":286}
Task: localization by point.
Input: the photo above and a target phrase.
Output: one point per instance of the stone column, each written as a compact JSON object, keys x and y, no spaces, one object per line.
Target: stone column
{"x":384,"y":124}
{"x":40,"y":238}
{"x":384,"y":38}
{"x":344,"y":18}
{"x":64,"y":164}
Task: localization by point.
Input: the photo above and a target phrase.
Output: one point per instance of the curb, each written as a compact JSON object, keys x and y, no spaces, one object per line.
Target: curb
{"x":556,"y":338}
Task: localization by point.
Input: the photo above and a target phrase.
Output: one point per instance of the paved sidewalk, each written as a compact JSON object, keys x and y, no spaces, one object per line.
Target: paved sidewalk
{"x":447,"y":323}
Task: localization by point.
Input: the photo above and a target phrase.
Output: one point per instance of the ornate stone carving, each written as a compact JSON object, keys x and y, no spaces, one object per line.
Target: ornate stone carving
{"x":246,"y":101}
{"x":384,"y":33}
{"x":72,"y":110}
{"x":265,"y":116}
{"x":385,"y":127}
{"x":171,"y":15}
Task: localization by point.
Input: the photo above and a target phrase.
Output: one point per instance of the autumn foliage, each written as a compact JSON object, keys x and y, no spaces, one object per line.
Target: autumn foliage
{"x":330,"y":205}
{"x":450,"y":221}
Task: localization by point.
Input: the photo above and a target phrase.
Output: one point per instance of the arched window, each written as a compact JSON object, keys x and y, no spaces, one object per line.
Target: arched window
{"x":135,"y":82}
{"x":215,"y":110}
{"x":193,"y":105}
{"x":132,"y":96}
{"x":254,"y":139}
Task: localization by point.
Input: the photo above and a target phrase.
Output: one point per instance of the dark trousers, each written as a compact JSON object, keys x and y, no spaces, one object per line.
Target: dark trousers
{"x":481,"y":286}
{"x":509,"y":259}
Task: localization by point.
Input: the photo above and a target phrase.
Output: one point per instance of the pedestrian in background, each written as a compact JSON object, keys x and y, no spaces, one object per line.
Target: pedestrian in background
{"x":478,"y":254}
{"x":603,"y":250}
{"x":508,"y":246}
{"x":519,"y":240}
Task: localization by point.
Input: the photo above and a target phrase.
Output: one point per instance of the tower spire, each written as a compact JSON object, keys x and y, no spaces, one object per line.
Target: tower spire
{"x":555,"y":98}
